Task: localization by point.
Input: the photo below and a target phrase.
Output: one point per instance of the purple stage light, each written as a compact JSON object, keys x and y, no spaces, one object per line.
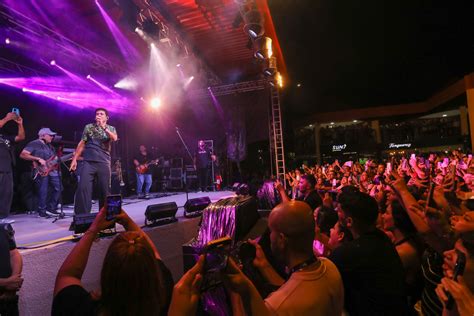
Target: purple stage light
{"x":52,"y":62}
{"x":7,"y":41}
{"x":102,"y":86}
{"x":69,"y":92}
{"x":128,"y":51}
{"x":217,"y":105}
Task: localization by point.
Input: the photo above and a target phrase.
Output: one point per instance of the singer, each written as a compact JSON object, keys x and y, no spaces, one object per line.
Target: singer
{"x":94,"y":147}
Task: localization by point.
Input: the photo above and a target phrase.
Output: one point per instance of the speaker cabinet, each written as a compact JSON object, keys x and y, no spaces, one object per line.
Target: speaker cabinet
{"x":161,"y":214}
{"x":194,"y":207}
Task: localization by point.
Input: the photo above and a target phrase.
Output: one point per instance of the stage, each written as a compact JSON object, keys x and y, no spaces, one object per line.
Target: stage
{"x":44,"y":246}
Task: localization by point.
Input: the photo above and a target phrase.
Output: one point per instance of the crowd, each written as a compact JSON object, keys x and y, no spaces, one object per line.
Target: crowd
{"x":392,"y":238}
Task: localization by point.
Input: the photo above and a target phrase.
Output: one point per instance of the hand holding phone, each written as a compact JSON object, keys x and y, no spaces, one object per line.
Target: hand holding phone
{"x":458,"y":270}
{"x":217,"y":253}
{"x":114,"y":206}
{"x":16,"y":111}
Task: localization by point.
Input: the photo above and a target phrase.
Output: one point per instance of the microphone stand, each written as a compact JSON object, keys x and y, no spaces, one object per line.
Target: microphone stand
{"x":190,"y":156}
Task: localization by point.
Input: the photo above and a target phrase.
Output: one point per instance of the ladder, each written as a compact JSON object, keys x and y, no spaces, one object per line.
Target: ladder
{"x":277,"y":151}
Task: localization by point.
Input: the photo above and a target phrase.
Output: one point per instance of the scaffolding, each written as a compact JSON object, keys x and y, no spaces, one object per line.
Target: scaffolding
{"x":275,"y":129}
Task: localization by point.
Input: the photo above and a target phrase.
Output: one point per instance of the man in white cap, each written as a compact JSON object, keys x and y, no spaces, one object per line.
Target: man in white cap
{"x":47,"y":186}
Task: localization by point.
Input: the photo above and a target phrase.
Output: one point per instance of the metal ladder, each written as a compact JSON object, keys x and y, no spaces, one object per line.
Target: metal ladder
{"x":277,"y":150}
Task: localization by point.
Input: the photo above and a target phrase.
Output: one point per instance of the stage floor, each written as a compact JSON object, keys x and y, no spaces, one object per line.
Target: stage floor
{"x":33,"y":232}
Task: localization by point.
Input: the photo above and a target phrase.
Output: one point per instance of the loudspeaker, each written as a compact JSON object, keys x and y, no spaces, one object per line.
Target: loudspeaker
{"x":176,"y":184}
{"x":176,"y":173}
{"x":161,"y":214}
{"x":194,"y":207}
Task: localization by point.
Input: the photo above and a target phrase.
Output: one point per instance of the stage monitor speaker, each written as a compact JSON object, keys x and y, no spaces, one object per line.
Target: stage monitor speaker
{"x":176,"y":173}
{"x":81,"y":223}
{"x":194,"y":207}
{"x":161,"y":214}
{"x":176,"y":184}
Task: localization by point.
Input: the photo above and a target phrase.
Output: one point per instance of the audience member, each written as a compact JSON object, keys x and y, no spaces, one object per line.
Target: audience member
{"x":371,"y":269}
{"x":11,"y":265}
{"x":134,"y":280}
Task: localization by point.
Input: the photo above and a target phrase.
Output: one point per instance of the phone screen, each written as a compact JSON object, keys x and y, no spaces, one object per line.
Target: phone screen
{"x":114,"y":206}
{"x":16,"y":111}
{"x":217,"y":254}
{"x":430,"y":201}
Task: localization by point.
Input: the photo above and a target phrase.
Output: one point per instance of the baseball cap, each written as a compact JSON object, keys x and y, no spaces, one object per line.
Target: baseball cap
{"x":46,"y":131}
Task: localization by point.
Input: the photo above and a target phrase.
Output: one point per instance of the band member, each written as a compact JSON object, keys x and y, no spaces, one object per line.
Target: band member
{"x":7,"y":161}
{"x":47,"y":188}
{"x":94,"y":147}
{"x":142,"y":162}
{"x":202,"y":163}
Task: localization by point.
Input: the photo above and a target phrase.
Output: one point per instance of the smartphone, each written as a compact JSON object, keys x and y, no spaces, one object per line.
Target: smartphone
{"x":16,"y":111}
{"x":458,"y":270}
{"x":217,"y":254}
{"x":429,"y":200}
{"x":114,"y":206}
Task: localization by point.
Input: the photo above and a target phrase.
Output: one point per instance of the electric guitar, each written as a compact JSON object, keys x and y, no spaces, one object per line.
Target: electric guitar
{"x":143,"y":168}
{"x":50,"y":165}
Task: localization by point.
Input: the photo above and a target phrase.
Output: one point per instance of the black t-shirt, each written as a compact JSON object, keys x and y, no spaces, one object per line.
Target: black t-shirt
{"x":313,"y":199}
{"x":372,"y":274}
{"x":39,"y":148}
{"x":7,"y":243}
{"x":6,"y":152}
{"x":98,"y":143}
{"x":142,"y":159}
{"x":203,"y":158}
{"x":75,"y":300}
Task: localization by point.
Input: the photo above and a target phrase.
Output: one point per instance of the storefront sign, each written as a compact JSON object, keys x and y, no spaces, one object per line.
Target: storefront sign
{"x":339,"y":147}
{"x":396,"y":146}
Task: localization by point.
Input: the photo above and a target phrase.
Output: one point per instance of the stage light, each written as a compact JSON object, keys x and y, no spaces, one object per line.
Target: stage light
{"x":23,"y":89}
{"x":444,"y":115}
{"x":7,"y":41}
{"x":299,"y":85}
{"x":52,"y":62}
{"x":268,"y":46}
{"x":332,"y":123}
{"x":279,"y":80}
{"x":178,"y":65}
{"x":355,"y":121}
{"x":89,"y":77}
{"x":127,"y":83}
{"x":155,"y":103}
{"x":271,"y":68}
{"x":253,"y":24}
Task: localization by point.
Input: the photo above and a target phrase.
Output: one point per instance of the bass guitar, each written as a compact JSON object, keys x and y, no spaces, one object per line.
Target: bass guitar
{"x":143,"y":168}
{"x":50,"y":165}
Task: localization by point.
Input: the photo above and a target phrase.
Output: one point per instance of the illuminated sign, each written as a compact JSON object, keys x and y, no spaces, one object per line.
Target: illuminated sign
{"x":339,"y":147}
{"x":396,"y":146}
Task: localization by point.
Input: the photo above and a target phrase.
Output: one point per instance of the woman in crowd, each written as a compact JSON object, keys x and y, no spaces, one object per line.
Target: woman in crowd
{"x":134,"y":280}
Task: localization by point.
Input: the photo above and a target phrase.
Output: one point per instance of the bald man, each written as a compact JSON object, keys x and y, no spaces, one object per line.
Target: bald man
{"x":315,"y":285}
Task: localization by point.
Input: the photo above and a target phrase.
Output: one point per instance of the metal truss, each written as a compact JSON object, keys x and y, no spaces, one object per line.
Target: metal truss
{"x":63,"y":46}
{"x":240,"y":87}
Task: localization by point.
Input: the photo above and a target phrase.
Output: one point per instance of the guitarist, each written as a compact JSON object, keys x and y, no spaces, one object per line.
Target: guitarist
{"x":142,"y":162}
{"x":47,"y":188}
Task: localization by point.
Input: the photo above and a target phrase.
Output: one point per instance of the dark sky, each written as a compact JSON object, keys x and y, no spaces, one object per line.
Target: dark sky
{"x":349,"y":54}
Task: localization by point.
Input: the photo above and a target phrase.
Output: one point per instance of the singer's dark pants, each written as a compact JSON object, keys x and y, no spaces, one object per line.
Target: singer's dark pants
{"x":92,"y":170}
{"x":203,"y":176}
